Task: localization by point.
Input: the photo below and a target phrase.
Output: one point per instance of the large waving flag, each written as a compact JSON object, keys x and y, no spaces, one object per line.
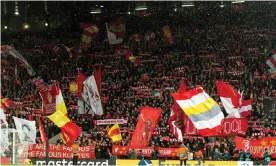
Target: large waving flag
{"x":70,"y":129}
{"x":26,"y":130}
{"x":203,"y":111}
{"x":91,"y":93}
{"x":114,"y":133}
{"x":230,"y":98}
{"x":10,"y":50}
{"x":145,"y":126}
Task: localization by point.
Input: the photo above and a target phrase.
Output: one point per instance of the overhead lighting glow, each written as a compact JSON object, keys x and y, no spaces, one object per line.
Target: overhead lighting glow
{"x":6,"y":27}
{"x":16,"y":13}
{"x":95,"y":12}
{"x":188,"y":5}
{"x":175,"y":9}
{"x":141,"y":8}
{"x":128,"y":12}
{"x":26,"y":26}
{"x":46,"y":24}
{"x":101,"y":6}
{"x":238,"y":2}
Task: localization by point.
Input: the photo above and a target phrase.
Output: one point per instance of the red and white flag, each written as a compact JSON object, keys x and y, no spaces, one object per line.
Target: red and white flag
{"x":230,"y":98}
{"x":81,"y":79}
{"x":91,"y":94}
{"x":246,"y":108}
{"x":177,"y":115}
{"x":271,"y":62}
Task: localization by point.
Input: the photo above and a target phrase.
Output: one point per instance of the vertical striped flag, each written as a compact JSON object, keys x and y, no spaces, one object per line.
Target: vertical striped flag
{"x":203,"y":111}
{"x":114,"y":133}
{"x":66,"y":126}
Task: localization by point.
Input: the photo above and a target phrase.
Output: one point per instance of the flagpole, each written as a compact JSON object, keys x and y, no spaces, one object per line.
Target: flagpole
{"x":47,"y":145}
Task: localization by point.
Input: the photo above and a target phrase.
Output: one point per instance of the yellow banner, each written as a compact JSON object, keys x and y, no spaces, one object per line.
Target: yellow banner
{"x":172,"y":163}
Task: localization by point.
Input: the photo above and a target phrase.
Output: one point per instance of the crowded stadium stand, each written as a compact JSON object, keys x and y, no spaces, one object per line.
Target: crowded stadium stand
{"x":115,"y":62}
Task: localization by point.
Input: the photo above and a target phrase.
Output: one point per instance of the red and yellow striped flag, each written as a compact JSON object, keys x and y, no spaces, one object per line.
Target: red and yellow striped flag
{"x":66,"y":126}
{"x":114,"y":133}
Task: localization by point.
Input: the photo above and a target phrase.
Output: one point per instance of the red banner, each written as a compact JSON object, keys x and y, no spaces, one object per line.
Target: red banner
{"x":257,"y":147}
{"x":230,"y":126}
{"x":163,"y":152}
{"x":57,"y":151}
{"x":147,"y":121}
{"x":48,"y":96}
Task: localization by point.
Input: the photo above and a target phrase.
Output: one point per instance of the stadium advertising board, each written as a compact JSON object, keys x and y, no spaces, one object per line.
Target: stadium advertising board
{"x":172,"y":163}
{"x":57,"y":151}
{"x":67,"y":162}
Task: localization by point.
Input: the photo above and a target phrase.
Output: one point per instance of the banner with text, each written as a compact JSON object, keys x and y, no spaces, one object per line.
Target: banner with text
{"x":230,"y":126}
{"x":163,"y":152}
{"x":109,"y":121}
{"x":257,"y":147}
{"x":57,"y":151}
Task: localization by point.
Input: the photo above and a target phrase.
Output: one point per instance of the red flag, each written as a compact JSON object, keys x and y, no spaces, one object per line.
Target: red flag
{"x":81,"y":79}
{"x":145,"y":126}
{"x":30,"y":117}
{"x":182,"y":87}
{"x":230,"y":98}
{"x":42,"y":132}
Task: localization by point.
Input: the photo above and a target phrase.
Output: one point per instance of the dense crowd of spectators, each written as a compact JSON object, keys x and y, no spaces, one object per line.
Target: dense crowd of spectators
{"x":233,"y":53}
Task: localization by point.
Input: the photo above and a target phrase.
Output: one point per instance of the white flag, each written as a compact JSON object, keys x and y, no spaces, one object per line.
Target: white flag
{"x":4,"y":139}
{"x":26,"y":130}
{"x":84,"y":107}
{"x":112,"y":38}
{"x":17,"y":55}
{"x":91,"y":95}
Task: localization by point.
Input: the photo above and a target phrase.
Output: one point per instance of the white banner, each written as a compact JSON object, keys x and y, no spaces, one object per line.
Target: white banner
{"x":83,"y":107}
{"x":110,"y":121}
{"x":26,"y":130}
{"x":91,"y":95}
{"x":4,"y":140}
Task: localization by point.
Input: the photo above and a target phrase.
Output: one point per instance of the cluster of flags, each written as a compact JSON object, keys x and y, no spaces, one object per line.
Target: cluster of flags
{"x":204,"y":112}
